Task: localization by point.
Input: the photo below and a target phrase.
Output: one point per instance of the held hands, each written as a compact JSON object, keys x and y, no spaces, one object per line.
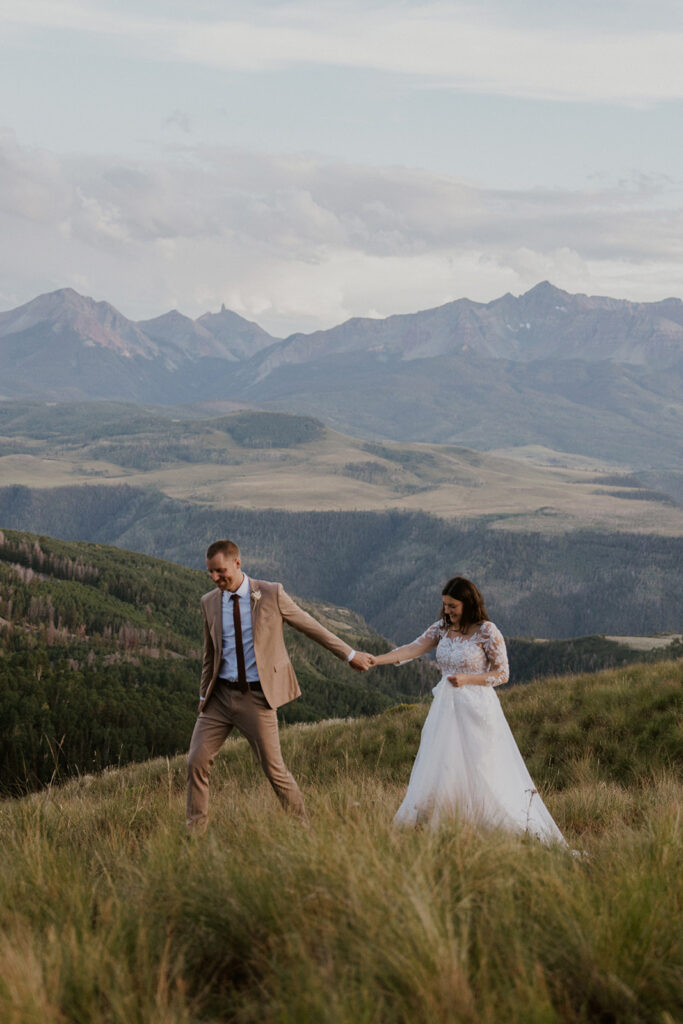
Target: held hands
{"x":362,"y":661}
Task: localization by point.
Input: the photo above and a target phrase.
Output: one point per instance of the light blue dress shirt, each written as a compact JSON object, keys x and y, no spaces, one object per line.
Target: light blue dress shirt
{"x":228,"y":669}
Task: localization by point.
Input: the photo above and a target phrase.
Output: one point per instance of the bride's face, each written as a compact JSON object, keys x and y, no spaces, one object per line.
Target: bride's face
{"x":453,"y":609}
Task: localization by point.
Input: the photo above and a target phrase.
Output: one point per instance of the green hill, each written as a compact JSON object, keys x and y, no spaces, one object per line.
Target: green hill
{"x":109,"y":914}
{"x":100,"y":660}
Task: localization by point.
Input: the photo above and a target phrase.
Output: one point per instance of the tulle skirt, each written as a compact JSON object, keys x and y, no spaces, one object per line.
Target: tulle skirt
{"x":468,"y":765}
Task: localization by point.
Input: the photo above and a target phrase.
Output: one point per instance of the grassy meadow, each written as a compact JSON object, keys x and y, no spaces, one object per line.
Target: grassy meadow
{"x":108,"y":913}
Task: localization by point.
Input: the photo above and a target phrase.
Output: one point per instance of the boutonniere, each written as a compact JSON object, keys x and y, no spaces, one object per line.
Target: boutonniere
{"x":256,"y":596}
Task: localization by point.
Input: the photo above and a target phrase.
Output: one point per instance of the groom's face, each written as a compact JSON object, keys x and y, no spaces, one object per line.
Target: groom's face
{"x":225,"y":572}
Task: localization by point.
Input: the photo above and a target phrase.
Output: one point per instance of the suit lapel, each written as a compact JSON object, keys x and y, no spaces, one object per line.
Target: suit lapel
{"x":255,"y":601}
{"x":217,"y":619}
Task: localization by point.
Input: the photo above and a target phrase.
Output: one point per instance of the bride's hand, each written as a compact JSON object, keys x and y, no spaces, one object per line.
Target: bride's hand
{"x":461,"y":679}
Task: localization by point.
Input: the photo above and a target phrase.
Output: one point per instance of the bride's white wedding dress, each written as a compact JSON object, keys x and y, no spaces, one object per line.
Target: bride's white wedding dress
{"x":468,"y":763}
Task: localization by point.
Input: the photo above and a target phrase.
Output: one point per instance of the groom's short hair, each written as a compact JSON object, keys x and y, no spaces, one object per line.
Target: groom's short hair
{"x":223,"y":547}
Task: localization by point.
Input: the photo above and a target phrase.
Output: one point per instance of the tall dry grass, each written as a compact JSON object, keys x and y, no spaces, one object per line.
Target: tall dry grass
{"x":109,"y":913}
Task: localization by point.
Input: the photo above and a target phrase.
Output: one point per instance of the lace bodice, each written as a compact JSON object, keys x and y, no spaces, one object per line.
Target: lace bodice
{"x":482,"y":651}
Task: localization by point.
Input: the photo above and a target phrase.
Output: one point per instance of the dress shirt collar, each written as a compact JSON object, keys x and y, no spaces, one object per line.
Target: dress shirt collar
{"x":242,"y":590}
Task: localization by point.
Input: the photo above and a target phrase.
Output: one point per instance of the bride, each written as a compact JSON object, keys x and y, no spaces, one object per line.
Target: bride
{"x":468,"y":762}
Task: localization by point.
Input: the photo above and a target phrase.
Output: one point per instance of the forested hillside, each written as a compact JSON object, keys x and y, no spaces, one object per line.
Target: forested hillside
{"x":100,"y":660}
{"x":389,"y":567}
{"x":533,"y":659}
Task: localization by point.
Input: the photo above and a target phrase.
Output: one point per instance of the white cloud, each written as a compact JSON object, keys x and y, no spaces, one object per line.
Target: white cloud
{"x":477,"y":48}
{"x":179,"y":119}
{"x":298,"y":243}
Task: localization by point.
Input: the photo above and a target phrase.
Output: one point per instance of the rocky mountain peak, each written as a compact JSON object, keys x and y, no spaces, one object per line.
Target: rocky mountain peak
{"x":66,"y":312}
{"x":240,"y":337}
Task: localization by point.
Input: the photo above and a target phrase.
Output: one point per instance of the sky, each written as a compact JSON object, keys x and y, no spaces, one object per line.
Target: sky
{"x":304,"y":163}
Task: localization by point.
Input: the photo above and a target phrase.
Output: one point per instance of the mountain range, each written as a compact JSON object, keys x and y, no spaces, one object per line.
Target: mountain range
{"x":573,"y":373}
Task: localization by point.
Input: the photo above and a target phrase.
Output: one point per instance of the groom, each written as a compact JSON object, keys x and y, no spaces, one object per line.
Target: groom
{"x":247,"y":674}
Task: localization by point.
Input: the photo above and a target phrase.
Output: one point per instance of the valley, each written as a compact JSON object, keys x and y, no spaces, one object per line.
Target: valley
{"x":537,"y":585}
{"x":260,"y":460}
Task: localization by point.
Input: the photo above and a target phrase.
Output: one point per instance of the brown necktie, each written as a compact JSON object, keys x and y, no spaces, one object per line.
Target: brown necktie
{"x":239,"y":648}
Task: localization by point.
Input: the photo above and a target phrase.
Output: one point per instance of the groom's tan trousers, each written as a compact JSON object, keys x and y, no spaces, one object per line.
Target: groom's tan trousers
{"x":250,"y":713}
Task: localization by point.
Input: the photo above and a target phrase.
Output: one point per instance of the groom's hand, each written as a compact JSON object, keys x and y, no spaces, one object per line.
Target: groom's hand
{"x":362,"y":661}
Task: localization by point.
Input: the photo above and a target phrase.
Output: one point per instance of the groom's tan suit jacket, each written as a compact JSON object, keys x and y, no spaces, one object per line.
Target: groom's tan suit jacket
{"x":271,"y":606}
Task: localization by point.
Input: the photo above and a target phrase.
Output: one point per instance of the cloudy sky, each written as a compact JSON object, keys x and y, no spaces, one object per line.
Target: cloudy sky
{"x":304,"y":163}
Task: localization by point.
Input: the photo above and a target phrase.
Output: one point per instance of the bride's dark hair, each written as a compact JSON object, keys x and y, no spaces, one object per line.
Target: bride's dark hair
{"x":473,"y":607}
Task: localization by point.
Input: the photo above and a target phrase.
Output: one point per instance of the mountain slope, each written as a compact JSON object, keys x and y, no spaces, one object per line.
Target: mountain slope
{"x":544,"y":323}
{"x":624,"y":414}
{"x":576,"y":373}
{"x":64,"y":346}
{"x":63,"y":314}
{"x":223,"y":335}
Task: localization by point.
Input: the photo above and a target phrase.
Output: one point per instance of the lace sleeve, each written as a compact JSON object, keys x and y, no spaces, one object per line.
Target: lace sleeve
{"x":426,"y":641}
{"x":493,"y":646}
{"x":433,"y":632}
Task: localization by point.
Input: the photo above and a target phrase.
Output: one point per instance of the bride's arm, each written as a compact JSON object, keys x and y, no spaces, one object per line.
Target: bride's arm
{"x":470,"y":679}
{"x":420,"y":646}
